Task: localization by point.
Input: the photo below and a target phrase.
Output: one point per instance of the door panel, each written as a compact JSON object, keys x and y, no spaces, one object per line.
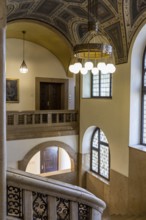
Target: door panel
{"x":49,"y":159}
{"x":50,"y":96}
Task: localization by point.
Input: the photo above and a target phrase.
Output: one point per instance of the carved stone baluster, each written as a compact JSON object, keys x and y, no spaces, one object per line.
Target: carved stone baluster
{"x":49,"y":119}
{"x":25,"y":118}
{"x":95,"y":215}
{"x":52,"y":208}
{"x":33,"y":119}
{"x":57,"y":118}
{"x":27,"y":205}
{"x":15,"y":119}
{"x":74,"y":211}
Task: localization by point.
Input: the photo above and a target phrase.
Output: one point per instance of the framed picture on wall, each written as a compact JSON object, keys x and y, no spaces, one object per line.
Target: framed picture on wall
{"x":12,"y":90}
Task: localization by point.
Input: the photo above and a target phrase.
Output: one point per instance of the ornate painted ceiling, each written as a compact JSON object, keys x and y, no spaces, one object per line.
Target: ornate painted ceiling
{"x":119,"y":19}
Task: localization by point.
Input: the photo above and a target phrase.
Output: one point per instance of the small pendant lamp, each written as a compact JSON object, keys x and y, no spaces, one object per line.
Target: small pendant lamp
{"x":23,"y":67}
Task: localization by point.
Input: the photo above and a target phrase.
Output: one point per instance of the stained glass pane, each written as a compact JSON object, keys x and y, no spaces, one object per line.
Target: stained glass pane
{"x":95,"y":139}
{"x":95,"y":85}
{"x":104,"y":161}
{"x":105,"y":84}
{"x":103,"y":137}
{"x":95,"y":161}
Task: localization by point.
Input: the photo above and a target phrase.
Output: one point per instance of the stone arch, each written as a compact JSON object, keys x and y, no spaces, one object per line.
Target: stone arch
{"x":73,"y":157}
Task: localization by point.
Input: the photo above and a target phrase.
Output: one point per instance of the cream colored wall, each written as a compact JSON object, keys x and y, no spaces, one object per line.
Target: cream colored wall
{"x":16,"y":150}
{"x":34,"y":164}
{"x":112,"y":116}
{"x":64,"y":160}
{"x":119,"y":118}
{"x":41,"y":63}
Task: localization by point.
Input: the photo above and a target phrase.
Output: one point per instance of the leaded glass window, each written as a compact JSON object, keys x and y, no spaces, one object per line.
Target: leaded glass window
{"x":100,"y":155}
{"x":101,"y":85}
{"x":143,"y":127}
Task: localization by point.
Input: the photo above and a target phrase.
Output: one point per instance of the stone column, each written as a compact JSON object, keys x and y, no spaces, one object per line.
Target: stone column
{"x":2,"y":111}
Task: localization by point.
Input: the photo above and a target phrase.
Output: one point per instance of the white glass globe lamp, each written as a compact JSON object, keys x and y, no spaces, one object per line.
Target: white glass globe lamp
{"x":111,"y":68}
{"x":83,"y":71}
{"x":88,"y":65}
{"x":71,"y":68}
{"x":101,"y":66}
{"x":95,"y":70}
{"x":78,"y":66}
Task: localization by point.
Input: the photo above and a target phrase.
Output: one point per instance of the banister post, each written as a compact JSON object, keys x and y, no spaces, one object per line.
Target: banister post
{"x":95,"y":215}
{"x":74,"y":211}
{"x":52,"y":209}
{"x":28,"y":205}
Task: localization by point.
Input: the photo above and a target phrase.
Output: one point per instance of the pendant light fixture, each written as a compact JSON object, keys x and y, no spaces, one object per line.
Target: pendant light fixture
{"x":93,"y":57}
{"x":23,"y":67}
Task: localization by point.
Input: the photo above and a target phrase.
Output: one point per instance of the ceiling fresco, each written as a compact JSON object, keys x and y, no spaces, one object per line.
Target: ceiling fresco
{"x":119,"y":19}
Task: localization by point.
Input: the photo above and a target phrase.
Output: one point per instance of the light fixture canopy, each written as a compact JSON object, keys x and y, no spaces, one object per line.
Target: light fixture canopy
{"x":23,"y":67}
{"x":93,"y":57}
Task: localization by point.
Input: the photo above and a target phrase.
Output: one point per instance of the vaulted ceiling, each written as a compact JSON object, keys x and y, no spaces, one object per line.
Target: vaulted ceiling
{"x":119,"y":20}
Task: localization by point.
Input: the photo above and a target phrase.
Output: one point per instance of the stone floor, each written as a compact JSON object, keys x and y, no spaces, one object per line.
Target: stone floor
{"x":119,"y":217}
{"x":124,"y":218}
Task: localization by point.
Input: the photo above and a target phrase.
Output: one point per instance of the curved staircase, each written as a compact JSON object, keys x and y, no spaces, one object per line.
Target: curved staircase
{"x":38,"y":198}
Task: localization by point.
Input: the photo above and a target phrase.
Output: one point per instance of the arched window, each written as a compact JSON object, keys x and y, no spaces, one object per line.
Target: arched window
{"x":143,"y":118}
{"x":100,"y":155}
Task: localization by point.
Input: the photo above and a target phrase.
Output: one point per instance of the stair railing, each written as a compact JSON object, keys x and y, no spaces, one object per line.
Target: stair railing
{"x":31,"y":197}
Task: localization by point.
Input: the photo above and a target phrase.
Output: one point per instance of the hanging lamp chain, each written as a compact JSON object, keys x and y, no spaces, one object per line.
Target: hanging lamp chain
{"x":23,"y":44}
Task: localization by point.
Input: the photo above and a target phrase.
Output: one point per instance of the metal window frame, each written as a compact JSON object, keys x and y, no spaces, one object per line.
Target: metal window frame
{"x":110,"y":87}
{"x":98,"y":150}
{"x":143,"y":92}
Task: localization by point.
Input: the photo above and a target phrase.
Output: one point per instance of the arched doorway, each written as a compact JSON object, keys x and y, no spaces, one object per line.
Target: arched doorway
{"x":49,"y":158}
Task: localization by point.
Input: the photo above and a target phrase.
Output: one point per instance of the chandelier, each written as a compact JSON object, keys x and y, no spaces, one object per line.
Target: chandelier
{"x":93,"y":56}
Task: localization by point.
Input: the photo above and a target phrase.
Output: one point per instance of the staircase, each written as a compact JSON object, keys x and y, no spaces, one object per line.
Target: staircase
{"x":33,"y":197}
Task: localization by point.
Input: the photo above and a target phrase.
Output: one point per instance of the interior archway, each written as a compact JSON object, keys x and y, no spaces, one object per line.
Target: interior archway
{"x":43,"y":35}
{"x":66,"y":154}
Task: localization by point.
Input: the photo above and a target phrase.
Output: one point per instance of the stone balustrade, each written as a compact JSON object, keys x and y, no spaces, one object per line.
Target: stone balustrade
{"x":15,"y":118}
{"x":32,"y":124}
{"x":34,"y":197}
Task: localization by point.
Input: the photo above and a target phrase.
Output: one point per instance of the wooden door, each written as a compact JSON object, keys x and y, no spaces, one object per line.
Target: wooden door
{"x":50,"y":96}
{"x":49,"y":159}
